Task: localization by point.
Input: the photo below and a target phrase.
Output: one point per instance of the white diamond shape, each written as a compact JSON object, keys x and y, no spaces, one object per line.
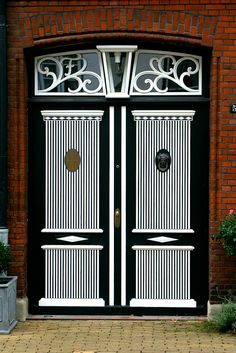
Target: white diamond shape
{"x":162,"y":239}
{"x":72,"y":239}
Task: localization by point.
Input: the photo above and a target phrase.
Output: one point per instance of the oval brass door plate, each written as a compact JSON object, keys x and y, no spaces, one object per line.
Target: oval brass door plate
{"x":72,"y":160}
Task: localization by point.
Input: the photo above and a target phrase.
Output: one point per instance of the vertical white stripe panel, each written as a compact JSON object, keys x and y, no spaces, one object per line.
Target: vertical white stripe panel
{"x":47,"y":268}
{"x":98,"y":172}
{"x":92,"y":180}
{"x":137,"y":217}
{"x":137,"y":274}
{"x":71,"y":274}
{"x":123,"y":205}
{"x":60,"y":164}
{"x":189,"y":162}
{"x":72,"y":198}
{"x":81,"y":171}
{"x":142,"y":281}
{"x":163,"y":199}
{"x":97,"y":273}
{"x":156,"y":180}
{"x":142,"y":124}
{"x":111,"y":204}
{"x":152,"y":167}
{"x":188,"y":276}
{"x":54,"y":176}
{"x":84,"y":208}
{"x":147,"y":168}
{"x":46,"y":172}
{"x":144,"y":175}
{"x":50,"y":186}
{"x":162,"y":273}
{"x":169,"y":183}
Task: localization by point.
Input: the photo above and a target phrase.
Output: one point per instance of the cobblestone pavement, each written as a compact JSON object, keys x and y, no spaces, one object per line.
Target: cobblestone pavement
{"x":115,"y":336}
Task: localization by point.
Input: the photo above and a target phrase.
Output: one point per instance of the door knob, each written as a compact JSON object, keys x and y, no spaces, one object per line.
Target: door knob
{"x":117,"y":218}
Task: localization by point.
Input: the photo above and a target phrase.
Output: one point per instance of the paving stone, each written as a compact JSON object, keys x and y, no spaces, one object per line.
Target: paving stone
{"x":114,"y":336}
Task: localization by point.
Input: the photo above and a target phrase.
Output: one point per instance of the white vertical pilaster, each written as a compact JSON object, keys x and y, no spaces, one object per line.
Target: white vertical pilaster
{"x":123,"y":205}
{"x":111,"y":204}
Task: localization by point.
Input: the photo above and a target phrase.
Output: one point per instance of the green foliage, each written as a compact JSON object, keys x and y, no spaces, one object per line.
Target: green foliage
{"x":208,"y":326}
{"x":226,"y":319}
{"x":227,"y":233}
{"x":5,"y":257}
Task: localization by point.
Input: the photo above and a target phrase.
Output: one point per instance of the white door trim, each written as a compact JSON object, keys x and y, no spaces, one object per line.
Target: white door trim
{"x":111,"y":204}
{"x":123,"y":205}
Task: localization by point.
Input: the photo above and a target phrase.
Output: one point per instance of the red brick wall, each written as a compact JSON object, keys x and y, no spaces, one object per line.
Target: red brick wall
{"x":198,"y":22}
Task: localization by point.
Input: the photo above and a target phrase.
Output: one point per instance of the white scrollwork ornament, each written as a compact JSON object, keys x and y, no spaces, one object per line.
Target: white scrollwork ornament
{"x":173,"y":73}
{"x":63,"y":71}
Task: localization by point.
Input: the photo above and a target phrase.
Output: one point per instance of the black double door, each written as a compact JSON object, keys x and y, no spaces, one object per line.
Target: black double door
{"x":118,"y":208}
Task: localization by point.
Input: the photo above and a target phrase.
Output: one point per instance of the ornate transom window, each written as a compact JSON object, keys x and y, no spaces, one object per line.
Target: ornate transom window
{"x":118,"y":71}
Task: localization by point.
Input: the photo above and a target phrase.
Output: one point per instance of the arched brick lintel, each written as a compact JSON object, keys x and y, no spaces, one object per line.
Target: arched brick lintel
{"x":171,"y":25}
{"x":128,"y":36}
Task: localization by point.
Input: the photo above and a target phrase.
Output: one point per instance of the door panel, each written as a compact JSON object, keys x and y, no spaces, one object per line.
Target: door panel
{"x":166,"y":211}
{"x":163,"y":196}
{"x":72,"y":161}
{"x":110,"y":225}
{"x":162,"y":273}
{"x":69,"y":208}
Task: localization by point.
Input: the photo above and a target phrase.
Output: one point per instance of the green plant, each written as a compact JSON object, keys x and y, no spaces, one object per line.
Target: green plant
{"x":226,"y":234}
{"x":226,"y":319}
{"x":5,"y":257}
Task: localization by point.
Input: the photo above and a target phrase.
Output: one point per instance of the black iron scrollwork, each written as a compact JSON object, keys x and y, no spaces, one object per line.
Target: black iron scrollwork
{"x":163,"y":160}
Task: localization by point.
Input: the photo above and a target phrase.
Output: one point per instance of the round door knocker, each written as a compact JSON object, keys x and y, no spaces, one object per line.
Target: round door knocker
{"x":163,"y":160}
